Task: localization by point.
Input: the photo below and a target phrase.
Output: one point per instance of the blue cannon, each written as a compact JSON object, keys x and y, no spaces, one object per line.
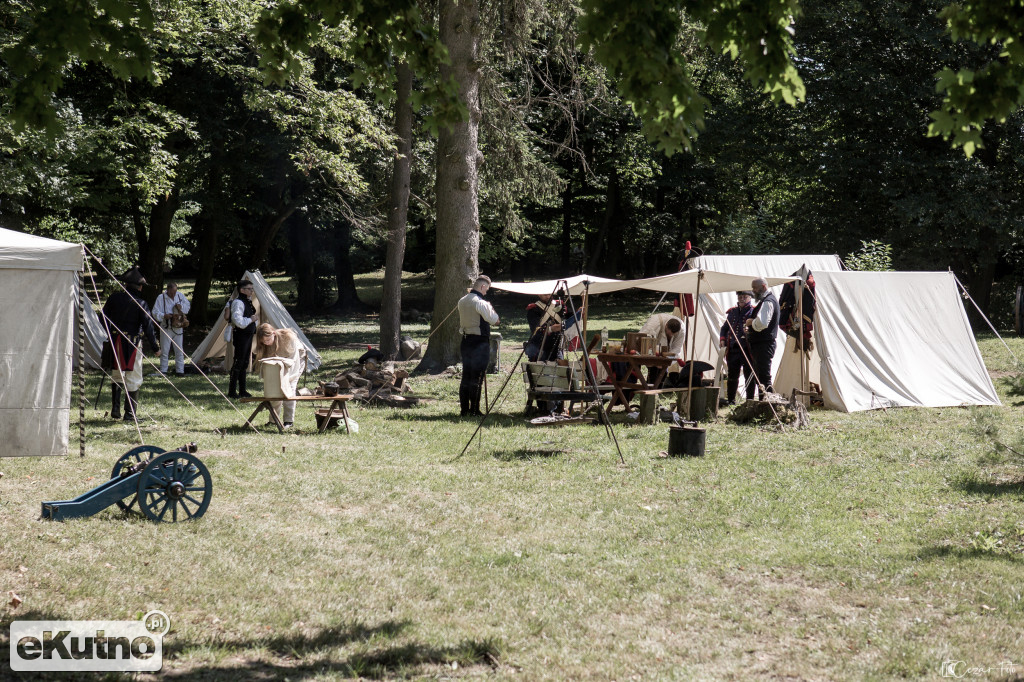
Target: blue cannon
{"x":165,"y":486}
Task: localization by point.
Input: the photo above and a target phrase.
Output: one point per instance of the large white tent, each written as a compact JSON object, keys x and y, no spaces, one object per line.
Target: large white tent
{"x":37,"y":307}
{"x":891,"y":339}
{"x":270,"y":311}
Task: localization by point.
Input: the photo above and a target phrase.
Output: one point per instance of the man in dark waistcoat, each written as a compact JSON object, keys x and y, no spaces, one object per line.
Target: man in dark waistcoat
{"x":126,"y":318}
{"x":733,"y":338}
{"x":475,"y":319}
{"x":243,"y":322}
{"x":762,"y":327}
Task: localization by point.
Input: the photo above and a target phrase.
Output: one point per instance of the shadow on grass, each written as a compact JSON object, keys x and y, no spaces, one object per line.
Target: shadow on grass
{"x":990,"y":488}
{"x":949,"y":552}
{"x":381,"y":658}
{"x":526,"y":454}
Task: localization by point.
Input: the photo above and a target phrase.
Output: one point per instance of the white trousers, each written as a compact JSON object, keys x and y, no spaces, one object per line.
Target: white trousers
{"x":172,"y":338}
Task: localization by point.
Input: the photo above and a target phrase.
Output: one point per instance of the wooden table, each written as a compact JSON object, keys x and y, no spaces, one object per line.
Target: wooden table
{"x":636,"y":364}
{"x":337,"y":401}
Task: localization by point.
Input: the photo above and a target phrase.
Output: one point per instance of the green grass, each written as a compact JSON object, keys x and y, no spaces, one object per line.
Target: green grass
{"x":869,"y":546}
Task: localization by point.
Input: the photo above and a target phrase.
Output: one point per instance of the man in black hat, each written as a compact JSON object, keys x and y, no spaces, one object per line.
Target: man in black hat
{"x":126,"y":317}
{"x":733,"y":338}
{"x":762,"y":327}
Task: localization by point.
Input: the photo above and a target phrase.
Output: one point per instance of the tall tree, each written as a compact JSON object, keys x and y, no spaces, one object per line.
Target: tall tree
{"x":398,"y":212}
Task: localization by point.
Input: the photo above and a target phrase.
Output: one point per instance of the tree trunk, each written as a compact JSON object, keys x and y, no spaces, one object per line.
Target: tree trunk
{"x":204,"y":278}
{"x":269,"y":227}
{"x":300,"y":237}
{"x":160,"y":218}
{"x":391,"y":302}
{"x":610,"y":215}
{"x":344,"y":276}
{"x":457,"y":184}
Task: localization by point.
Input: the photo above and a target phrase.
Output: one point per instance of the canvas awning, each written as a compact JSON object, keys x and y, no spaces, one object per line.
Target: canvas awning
{"x":676,"y":283}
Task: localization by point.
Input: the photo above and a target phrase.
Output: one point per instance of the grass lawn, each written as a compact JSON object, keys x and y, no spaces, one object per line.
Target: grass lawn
{"x":869,"y":546}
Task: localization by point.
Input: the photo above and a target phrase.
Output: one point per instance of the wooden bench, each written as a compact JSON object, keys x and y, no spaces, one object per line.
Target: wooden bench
{"x":337,"y":402}
{"x":704,"y":401}
{"x":550,"y":381}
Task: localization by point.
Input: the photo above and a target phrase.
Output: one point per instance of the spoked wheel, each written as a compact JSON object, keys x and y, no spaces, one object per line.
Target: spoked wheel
{"x":127,"y":461}
{"x":175,"y":486}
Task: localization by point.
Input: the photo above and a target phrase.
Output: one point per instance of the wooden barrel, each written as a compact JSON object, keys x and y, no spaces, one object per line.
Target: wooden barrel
{"x":703,"y":403}
{"x":686,"y":441}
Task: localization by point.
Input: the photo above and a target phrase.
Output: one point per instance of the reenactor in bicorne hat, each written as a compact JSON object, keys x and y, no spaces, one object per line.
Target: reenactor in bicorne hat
{"x":126,"y":317}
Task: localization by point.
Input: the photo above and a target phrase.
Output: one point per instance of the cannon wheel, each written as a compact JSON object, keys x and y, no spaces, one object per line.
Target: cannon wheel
{"x":175,"y":486}
{"x":128,"y":460}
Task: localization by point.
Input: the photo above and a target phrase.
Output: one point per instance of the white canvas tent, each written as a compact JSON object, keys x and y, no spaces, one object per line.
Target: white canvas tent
{"x":270,"y":310}
{"x":37,"y":307}
{"x":888,"y":339}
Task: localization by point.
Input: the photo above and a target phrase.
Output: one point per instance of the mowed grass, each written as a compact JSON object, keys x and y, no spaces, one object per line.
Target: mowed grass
{"x":868,"y":546}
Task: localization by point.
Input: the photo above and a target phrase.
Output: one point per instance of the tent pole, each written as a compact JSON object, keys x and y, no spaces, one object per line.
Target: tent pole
{"x":82,"y":302}
{"x":693,"y":341}
{"x":800,"y":335}
{"x":586,"y":292}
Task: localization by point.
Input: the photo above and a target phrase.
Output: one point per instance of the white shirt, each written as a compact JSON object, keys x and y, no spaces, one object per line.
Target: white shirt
{"x":164,"y":306}
{"x":760,"y":321}
{"x":238,"y":317}
{"x":656,"y":326}
{"x":471,"y":309}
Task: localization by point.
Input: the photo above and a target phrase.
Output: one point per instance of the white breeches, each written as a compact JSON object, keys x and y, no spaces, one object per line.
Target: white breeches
{"x":172,"y":339}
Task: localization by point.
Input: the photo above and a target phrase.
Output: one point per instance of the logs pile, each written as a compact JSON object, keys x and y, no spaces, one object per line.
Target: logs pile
{"x":774,"y":409}
{"x":377,"y":384}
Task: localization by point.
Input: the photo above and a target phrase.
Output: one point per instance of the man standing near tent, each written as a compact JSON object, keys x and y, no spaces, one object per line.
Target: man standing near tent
{"x":475,"y":319}
{"x":169,"y":311}
{"x":126,"y":319}
{"x":243,"y":322}
{"x":762,"y":327}
{"x":733,"y":338}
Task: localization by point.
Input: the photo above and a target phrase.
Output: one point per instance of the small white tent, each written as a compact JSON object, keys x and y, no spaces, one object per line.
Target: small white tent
{"x":889,"y":339}
{"x":37,"y":307}
{"x":270,"y":311}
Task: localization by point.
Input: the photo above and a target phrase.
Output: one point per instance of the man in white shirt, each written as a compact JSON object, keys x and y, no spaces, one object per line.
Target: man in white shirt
{"x":762,"y":328}
{"x":475,"y":319}
{"x":170,"y":310}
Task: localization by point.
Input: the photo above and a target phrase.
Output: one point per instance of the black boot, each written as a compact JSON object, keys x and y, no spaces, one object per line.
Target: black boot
{"x":232,"y":393}
{"x":115,"y":405}
{"x":463,"y":401}
{"x":242,"y":393}
{"x":131,"y":400}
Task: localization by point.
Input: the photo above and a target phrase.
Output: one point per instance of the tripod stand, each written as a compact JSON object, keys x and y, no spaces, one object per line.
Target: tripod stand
{"x":560,"y":285}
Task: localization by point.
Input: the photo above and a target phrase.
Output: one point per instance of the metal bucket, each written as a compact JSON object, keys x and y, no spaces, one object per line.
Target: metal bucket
{"x":686,"y":441}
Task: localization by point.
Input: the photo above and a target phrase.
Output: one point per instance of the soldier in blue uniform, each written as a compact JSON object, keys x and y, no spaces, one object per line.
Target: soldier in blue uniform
{"x":733,"y":337}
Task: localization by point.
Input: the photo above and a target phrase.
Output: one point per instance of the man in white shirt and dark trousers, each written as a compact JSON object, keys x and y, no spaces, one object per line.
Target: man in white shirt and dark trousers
{"x":169,"y":311}
{"x":475,"y":319}
{"x":762,"y":327}
{"x":243,"y":323}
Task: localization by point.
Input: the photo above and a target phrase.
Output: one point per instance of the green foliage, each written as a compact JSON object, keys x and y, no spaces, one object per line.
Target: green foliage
{"x":636,"y":43}
{"x":993,"y":91}
{"x":873,"y":255}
